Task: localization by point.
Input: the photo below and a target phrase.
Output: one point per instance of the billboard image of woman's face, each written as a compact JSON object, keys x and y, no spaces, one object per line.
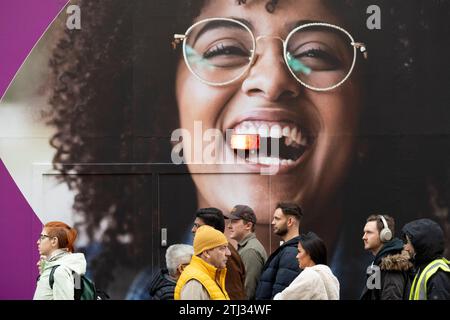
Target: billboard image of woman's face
{"x":348,"y":113}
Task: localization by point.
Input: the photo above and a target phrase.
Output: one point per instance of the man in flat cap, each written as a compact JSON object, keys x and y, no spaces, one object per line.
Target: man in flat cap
{"x":242,"y":221}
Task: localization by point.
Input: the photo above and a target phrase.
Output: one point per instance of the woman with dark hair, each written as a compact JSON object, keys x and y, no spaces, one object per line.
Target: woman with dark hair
{"x":316,"y":281}
{"x":294,"y":72}
{"x":55,"y":246}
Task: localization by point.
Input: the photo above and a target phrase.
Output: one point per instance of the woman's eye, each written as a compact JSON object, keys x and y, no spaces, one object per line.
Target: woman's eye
{"x":319,"y":60}
{"x":224,"y":50}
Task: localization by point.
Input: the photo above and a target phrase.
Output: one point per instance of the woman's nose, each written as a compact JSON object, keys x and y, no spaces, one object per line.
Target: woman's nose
{"x":269,"y":76}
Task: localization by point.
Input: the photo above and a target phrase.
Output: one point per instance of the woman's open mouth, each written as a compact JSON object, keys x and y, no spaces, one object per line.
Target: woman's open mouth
{"x":280,"y":143}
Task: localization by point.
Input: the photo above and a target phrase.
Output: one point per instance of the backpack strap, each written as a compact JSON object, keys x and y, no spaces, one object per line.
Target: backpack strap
{"x":51,"y":278}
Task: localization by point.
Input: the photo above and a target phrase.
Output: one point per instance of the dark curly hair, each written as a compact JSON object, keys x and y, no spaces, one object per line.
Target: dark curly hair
{"x":110,"y":81}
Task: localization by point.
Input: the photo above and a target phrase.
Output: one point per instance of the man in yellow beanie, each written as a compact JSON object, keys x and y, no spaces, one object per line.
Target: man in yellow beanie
{"x":204,"y":277}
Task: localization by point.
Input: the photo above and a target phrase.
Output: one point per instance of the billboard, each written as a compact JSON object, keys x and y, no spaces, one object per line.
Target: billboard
{"x":122,"y":117}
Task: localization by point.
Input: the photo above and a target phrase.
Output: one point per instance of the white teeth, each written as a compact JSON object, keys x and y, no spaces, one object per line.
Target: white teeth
{"x":263,"y":130}
{"x":251,"y":129}
{"x":275,"y":131}
{"x":253,"y":159}
{"x":269,"y":161}
{"x":239,"y":130}
{"x":293,"y":134}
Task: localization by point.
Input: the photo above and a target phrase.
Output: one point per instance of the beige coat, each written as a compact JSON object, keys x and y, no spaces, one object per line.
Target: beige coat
{"x":63,"y":286}
{"x":313,"y":283}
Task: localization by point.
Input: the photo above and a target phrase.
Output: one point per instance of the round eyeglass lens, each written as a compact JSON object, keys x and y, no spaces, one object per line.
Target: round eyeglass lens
{"x":218,"y":51}
{"x":320,"y":56}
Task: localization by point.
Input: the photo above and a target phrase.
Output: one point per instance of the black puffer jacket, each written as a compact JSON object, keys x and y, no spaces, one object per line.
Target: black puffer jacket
{"x":162,"y":286}
{"x":427,"y":238}
{"x":396,"y":273}
{"x":279,"y":271}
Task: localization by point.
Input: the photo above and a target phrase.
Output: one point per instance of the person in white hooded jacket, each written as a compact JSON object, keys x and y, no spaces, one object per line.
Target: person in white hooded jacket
{"x":55,"y":245}
{"x":316,"y":281}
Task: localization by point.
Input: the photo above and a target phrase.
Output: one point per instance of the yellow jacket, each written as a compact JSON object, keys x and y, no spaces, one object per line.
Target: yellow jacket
{"x":204,"y":273}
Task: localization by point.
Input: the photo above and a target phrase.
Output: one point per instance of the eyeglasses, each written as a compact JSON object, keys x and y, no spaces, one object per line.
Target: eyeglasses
{"x":43,"y":236}
{"x":195,"y":226}
{"x":219,"y":51}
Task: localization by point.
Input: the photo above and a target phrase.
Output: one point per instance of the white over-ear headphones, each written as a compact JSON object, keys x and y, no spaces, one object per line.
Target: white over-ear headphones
{"x":385,"y":233}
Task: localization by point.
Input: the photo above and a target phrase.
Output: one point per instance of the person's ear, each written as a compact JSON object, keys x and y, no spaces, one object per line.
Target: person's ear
{"x":290,"y":221}
{"x":180,"y":268}
{"x":54,"y":242}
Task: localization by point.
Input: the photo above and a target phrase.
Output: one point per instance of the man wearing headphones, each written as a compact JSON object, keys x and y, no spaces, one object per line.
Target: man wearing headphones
{"x":388,"y":277}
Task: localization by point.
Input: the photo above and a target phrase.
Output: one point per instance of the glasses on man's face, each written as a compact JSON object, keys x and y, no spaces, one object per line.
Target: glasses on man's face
{"x":219,"y":51}
{"x":43,"y":236}
{"x":196,"y":225}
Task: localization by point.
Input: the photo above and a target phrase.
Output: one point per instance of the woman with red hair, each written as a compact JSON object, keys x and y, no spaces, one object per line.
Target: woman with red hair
{"x":55,"y":245}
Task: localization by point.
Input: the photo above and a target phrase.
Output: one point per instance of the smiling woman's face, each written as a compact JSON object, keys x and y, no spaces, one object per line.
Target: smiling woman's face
{"x":269,"y":98}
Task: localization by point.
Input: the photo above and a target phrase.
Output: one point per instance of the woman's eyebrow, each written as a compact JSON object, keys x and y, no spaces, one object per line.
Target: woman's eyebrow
{"x":244,"y":21}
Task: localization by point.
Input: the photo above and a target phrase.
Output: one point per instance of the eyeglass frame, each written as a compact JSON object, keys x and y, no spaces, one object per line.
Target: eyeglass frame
{"x":252,"y":59}
{"x":43,"y":236}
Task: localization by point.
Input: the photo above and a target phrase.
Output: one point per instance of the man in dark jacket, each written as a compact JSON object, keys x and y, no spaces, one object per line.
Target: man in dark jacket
{"x":388,"y":276}
{"x":424,"y":240}
{"x":235,"y":278}
{"x":282,"y":266}
{"x":162,"y":286}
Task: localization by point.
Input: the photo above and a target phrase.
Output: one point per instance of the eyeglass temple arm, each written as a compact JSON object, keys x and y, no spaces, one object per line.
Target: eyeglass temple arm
{"x":177,"y":38}
{"x":362,"y":47}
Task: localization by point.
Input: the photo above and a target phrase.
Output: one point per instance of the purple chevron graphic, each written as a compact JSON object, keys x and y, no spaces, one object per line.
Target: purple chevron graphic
{"x":22,"y":22}
{"x":19,"y":229}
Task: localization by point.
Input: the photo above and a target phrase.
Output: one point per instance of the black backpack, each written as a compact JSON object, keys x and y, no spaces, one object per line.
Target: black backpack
{"x":84,"y":290}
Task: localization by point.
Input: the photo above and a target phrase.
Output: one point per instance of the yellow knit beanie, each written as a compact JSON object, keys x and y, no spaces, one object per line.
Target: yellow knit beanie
{"x":206,"y":237}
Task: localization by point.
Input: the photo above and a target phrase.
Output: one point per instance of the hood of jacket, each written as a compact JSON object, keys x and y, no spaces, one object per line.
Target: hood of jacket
{"x":76,"y":262}
{"x":396,"y":262}
{"x":395,"y":246}
{"x":427,"y":238}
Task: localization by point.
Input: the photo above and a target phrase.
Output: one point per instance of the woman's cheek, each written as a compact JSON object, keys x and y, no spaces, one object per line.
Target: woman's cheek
{"x":200,"y":102}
